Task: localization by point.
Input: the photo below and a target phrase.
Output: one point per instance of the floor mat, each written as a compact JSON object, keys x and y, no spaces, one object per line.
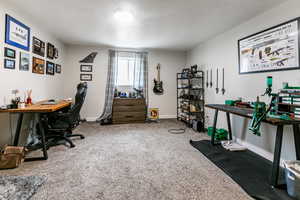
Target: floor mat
{"x":249,"y":170}
{"x":19,"y":187}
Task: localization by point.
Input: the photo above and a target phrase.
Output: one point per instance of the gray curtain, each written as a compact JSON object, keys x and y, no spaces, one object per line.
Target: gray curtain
{"x":110,"y":85}
{"x":140,"y":78}
{"x":141,"y":73}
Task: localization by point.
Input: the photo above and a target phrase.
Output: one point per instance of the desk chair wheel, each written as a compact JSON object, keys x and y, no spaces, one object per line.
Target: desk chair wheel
{"x":55,"y":140}
{"x":76,"y":135}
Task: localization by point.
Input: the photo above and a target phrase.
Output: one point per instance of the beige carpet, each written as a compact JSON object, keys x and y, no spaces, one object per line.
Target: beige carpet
{"x":137,"y":161}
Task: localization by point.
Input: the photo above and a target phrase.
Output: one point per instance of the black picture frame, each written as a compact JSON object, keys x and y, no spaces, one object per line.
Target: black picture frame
{"x":9,"y":64}
{"x":266,"y":30}
{"x":86,"y":68}
{"x":58,"y":68}
{"x":38,"y":47}
{"x":50,"y":51}
{"x":50,"y":68}
{"x":86,"y":77}
{"x":10,"y":53}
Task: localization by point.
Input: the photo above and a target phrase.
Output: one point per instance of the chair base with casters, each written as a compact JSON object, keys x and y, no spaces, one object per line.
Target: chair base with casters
{"x":56,"y":138}
{"x":63,"y":134}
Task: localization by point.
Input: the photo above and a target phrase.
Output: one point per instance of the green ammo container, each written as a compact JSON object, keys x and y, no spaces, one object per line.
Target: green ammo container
{"x":221,"y":134}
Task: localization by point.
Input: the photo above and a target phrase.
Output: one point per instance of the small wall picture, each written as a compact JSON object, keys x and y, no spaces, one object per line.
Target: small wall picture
{"x":38,"y":65}
{"x":50,"y":51}
{"x":24,"y":61}
{"x":86,"y":77}
{"x":86,"y":68}
{"x":55,"y":53}
{"x":38,"y":47}
{"x":16,"y":33}
{"x":154,"y":113}
{"x":9,"y":64}
{"x":50,"y":67}
{"x":58,"y":68}
{"x":10,"y":53}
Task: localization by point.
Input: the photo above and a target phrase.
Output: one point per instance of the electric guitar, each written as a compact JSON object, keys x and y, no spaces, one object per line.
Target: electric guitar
{"x":158,"y":84}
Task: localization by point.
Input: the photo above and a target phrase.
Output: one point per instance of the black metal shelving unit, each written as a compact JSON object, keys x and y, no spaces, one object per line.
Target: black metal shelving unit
{"x":190,"y":97}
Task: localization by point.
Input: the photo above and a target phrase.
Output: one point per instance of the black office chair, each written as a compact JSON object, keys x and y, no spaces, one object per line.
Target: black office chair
{"x":61,"y":124}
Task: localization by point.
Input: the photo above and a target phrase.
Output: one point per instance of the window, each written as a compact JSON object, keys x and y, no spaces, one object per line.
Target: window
{"x":125,"y":72}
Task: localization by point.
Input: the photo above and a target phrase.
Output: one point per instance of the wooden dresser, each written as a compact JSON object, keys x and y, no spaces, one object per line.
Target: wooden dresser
{"x":128,"y":110}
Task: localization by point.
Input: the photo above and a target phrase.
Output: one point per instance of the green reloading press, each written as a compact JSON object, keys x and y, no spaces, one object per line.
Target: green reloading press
{"x":260,"y":108}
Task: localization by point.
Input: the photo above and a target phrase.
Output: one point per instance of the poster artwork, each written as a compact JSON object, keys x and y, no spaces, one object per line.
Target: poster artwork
{"x":18,"y":34}
{"x":271,"y":50}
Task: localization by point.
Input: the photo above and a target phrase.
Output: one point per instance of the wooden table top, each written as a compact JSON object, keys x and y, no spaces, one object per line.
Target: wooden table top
{"x":247,"y":112}
{"x":39,"y":108}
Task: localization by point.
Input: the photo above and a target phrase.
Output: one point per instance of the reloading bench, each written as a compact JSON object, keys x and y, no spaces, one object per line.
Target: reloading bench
{"x":246,"y":112}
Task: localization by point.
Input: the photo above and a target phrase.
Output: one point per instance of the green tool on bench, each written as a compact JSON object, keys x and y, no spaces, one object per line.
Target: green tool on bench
{"x":258,"y":116}
{"x":260,"y":109}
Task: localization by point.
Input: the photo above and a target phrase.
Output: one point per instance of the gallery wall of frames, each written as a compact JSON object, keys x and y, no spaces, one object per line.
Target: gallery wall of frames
{"x":33,"y":54}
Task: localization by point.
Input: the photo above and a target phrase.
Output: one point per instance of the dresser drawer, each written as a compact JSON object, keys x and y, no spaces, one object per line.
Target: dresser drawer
{"x":132,"y":108}
{"x":128,"y":102}
{"x":129,"y":115}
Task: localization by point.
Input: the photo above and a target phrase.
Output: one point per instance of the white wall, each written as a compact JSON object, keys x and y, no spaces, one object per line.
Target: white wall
{"x":222,"y":51}
{"x":171,"y":63}
{"x":43,"y":86}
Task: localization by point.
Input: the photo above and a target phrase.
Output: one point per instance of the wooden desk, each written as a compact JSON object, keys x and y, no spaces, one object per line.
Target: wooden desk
{"x":40,"y":110}
{"x":246,"y":112}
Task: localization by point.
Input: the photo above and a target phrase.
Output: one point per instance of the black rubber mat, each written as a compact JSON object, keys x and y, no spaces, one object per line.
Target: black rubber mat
{"x":249,"y":170}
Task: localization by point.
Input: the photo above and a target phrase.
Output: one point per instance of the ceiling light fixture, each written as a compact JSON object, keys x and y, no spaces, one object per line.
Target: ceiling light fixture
{"x":124,"y":16}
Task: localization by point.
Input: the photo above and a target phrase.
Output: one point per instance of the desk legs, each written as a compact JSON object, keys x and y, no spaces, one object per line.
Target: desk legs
{"x":229,"y":125}
{"x":18,"y":129}
{"x":214,"y":128}
{"x":42,"y":129}
{"x":297,"y":140}
{"x":277,"y":153}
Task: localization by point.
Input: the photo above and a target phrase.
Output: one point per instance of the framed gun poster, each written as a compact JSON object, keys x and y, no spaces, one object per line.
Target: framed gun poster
{"x":274,"y":49}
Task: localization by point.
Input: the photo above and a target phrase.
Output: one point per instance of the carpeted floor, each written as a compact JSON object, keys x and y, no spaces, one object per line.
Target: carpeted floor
{"x":131,"y":162}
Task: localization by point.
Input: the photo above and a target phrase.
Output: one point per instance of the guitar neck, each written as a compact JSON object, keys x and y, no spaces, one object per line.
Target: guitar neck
{"x":158,"y":72}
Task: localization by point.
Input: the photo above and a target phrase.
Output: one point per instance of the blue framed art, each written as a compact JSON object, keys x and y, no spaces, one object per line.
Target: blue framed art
{"x":16,"y":33}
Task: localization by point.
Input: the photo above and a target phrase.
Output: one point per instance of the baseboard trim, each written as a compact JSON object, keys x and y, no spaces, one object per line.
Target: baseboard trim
{"x":267,"y":155}
{"x":91,"y":119}
{"x":168,"y":116}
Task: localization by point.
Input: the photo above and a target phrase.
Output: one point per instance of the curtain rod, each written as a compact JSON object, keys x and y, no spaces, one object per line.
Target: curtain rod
{"x":129,"y":51}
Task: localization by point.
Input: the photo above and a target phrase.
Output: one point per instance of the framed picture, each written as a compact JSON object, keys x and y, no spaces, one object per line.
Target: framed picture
{"x":9,"y":64}
{"x":10,"y":53}
{"x":38,"y":46}
{"x":55,"y":53}
{"x":38,"y":65}
{"x":154,"y":113}
{"x":50,"y":50}
{"x":274,"y":49}
{"x":16,"y":33}
{"x":86,"y":77}
{"x":50,"y":67}
{"x":24,"y":61}
{"x":58,"y":68}
{"x":86,"y":68}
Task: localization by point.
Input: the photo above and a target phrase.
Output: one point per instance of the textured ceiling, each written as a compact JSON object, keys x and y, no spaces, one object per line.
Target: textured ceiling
{"x":165,"y":24}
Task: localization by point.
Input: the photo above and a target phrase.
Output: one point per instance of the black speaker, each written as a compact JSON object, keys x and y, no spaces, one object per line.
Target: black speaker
{"x":197,"y":125}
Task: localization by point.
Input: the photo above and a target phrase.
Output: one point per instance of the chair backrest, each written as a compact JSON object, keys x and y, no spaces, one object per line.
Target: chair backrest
{"x":79,"y":100}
